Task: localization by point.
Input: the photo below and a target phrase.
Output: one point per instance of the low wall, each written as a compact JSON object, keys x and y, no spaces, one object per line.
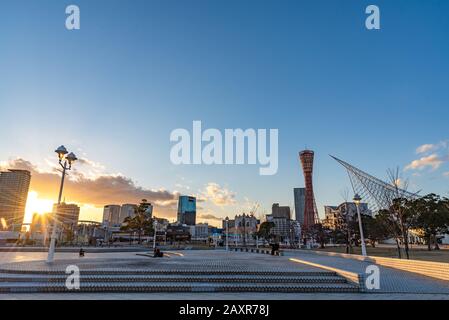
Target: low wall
{"x":255,"y":250}
{"x":437,"y":270}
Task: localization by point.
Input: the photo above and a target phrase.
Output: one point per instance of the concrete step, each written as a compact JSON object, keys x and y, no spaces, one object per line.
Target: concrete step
{"x":21,"y":287}
{"x":184,"y":271}
{"x":175,"y":278}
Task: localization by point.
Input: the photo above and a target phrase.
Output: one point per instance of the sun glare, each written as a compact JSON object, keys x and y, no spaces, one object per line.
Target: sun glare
{"x":36,"y":205}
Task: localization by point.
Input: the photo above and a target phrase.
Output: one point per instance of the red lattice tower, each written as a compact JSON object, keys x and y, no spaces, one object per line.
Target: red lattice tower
{"x":310,"y":211}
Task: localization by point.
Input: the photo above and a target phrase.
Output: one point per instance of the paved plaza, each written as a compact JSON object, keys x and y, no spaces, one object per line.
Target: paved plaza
{"x":391,"y":280}
{"x":210,"y":268}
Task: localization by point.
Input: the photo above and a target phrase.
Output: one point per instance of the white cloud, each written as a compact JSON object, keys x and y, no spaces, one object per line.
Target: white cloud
{"x":98,"y":189}
{"x":426,"y":148}
{"x":220,"y":196}
{"x":431,"y":147}
{"x":433,"y":161}
{"x":181,"y":186}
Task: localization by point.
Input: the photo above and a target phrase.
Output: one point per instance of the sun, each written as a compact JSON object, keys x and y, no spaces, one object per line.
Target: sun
{"x":36,"y":205}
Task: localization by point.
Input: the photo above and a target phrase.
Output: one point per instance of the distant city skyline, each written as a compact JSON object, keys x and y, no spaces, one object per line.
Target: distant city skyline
{"x":114,"y":90}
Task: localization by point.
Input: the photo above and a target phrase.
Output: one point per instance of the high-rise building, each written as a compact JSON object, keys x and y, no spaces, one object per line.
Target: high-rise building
{"x":67,"y":214}
{"x":111,"y":215}
{"x":187,"y":210}
{"x":280,"y":211}
{"x":148,"y":209}
{"x":299,"y":195}
{"x":14,"y":186}
{"x":127,"y":210}
{"x":310,"y":210}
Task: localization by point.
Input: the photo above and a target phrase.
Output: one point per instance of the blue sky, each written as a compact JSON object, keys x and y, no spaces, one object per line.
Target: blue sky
{"x":114,"y":90}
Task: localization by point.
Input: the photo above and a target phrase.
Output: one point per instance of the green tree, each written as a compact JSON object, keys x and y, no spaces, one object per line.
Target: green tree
{"x":432,"y":217}
{"x":405,"y":215}
{"x":141,"y":222}
{"x":401,"y":214}
{"x":321,"y":234}
{"x":375,"y":228}
{"x":393,"y":230}
{"x":264,"y":231}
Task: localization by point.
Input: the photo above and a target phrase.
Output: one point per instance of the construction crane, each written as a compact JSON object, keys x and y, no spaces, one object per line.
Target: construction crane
{"x":254,"y":209}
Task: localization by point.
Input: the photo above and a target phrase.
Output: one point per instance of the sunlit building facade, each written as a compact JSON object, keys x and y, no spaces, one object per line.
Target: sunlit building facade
{"x":14,"y":186}
{"x":67,"y":214}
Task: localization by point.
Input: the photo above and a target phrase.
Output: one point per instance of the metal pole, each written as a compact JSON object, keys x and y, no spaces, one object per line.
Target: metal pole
{"x":362,"y":238}
{"x":51,"y":250}
{"x":154,"y":236}
{"x":227,"y":236}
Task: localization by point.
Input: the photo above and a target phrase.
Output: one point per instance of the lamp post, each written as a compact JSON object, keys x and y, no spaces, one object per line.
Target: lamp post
{"x":227,"y":234}
{"x":65,"y":161}
{"x":357,"y":200}
{"x":154,"y":235}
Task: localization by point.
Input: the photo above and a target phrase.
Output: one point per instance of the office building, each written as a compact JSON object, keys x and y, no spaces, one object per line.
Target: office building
{"x":127,"y":210}
{"x":285,"y":229}
{"x":148,"y":209}
{"x":111,"y":215}
{"x":199,"y":231}
{"x":177,"y":232}
{"x":335,"y":216}
{"x":67,"y":214}
{"x":187,"y":210}
{"x":299,"y":195}
{"x":14,"y":186}
{"x":280,"y":211}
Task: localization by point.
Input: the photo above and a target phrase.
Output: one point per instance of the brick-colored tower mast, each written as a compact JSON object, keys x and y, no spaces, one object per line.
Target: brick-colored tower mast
{"x":310,"y":211}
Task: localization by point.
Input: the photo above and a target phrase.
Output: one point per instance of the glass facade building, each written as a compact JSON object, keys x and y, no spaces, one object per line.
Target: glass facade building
{"x":299,"y":195}
{"x":187,"y":210}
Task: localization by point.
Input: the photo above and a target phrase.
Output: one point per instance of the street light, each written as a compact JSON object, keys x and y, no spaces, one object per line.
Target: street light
{"x":154,"y":235}
{"x":357,"y":200}
{"x":66,"y":160}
